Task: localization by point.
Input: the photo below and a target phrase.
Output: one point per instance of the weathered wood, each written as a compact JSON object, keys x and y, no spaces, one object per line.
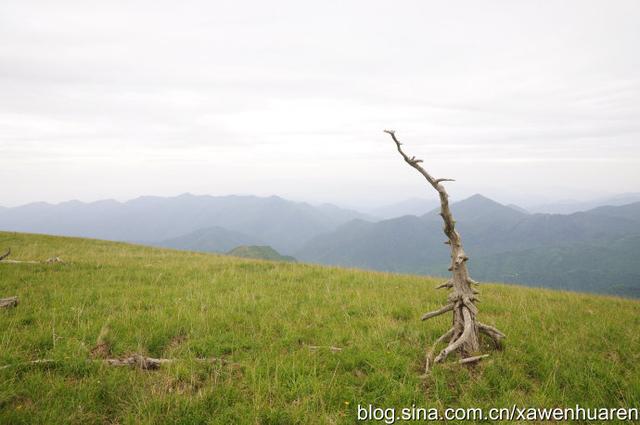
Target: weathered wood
{"x":32,"y":362}
{"x":438,"y":312}
{"x":431,"y":352}
{"x":466,"y":334}
{"x":142,"y":362}
{"x":51,"y":260}
{"x":5,"y":255}
{"x":8,"y":302}
{"x":20,"y":262}
{"x":448,"y":284}
{"x":492,"y":333}
{"x":473,"y":359}
{"x":329,"y":347}
{"x":150,"y":363}
{"x":465,"y":331}
{"x":48,"y":261}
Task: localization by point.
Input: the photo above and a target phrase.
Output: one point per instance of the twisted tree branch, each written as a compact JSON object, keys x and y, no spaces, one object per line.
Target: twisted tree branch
{"x":431,"y":352}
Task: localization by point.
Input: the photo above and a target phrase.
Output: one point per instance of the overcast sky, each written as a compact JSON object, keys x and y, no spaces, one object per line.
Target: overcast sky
{"x":519,"y":100}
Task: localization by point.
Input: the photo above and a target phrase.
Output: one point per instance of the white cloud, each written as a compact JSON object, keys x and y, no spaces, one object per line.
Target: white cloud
{"x":156,"y":97}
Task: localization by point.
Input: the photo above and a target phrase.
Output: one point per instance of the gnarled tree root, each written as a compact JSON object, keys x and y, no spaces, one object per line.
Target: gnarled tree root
{"x":457,"y":338}
{"x":466,"y":334}
{"x":431,"y":352}
{"x":474,"y":359}
{"x":492,"y":333}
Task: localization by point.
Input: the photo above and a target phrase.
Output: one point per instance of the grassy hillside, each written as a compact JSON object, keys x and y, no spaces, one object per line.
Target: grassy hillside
{"x":562,"y":348}
{"x":260,"y":253}
{"x":211,"y":239}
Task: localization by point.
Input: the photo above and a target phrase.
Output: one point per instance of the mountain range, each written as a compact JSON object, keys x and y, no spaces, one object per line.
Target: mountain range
{"x":210,"y":223}
{"x":596,"y":250}
{"x":569,"y":206}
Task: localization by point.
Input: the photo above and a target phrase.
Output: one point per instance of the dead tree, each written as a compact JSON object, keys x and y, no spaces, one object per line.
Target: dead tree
{"x":463,"y":337}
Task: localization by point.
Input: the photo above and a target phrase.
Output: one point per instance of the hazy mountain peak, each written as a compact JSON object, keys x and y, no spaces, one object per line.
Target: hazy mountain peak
{"x":482,"y":202}
{"x":478,"y":198}
{"x":479,"y":207}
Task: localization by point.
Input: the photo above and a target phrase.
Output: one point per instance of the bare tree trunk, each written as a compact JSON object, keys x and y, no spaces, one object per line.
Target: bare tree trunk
{"x":464,"y":334}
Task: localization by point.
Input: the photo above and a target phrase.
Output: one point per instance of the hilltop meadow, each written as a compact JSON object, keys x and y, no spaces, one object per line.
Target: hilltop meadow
{"x":256,"y":341}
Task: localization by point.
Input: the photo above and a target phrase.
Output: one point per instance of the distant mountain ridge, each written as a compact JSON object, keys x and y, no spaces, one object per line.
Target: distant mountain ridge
{"x":283,"y":224}
{"x":572,"y":206}
{"x":494,"y":236}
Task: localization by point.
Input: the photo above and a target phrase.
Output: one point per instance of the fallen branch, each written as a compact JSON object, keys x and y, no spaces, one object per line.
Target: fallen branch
{"x":19,"y":262}
{"x":5,"y":255}
{"x":317,"y":347}
{"x":50,"y":260}
{"x":41,"y":361}
{"x":142,"y":362}
{"x":473,"y":359}
{"x":150,"y":363}
{"x":8,"y":302}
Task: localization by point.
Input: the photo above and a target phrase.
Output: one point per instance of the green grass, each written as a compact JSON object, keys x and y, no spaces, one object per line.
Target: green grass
{"x":562,"y":348}
{"x":260,"y":253}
